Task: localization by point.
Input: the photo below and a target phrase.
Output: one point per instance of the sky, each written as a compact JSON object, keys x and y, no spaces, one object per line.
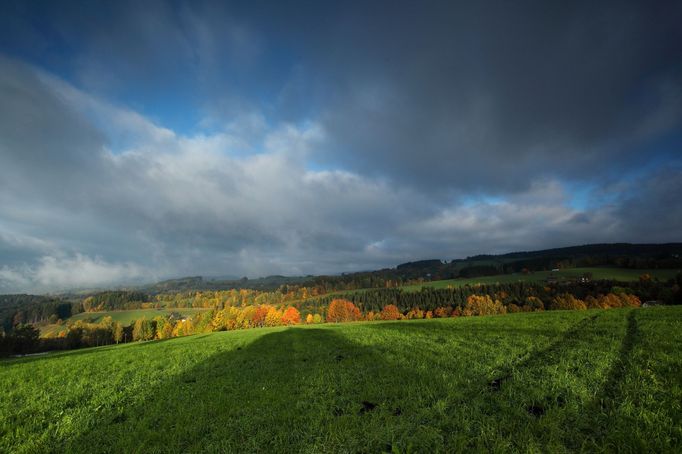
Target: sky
{"x":148,"y":140}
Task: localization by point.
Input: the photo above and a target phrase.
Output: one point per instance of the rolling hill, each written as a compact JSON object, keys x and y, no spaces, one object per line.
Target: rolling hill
{"x":554,"y":381}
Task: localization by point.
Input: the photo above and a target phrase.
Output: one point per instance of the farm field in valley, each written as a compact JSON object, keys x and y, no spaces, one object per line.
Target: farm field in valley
{"x":123,"y":317}
{"x":553,"y":381}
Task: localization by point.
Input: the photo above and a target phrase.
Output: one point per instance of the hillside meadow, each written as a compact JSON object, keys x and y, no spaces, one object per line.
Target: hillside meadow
{"x":597,"y":273}
{"x":568,"y":274}
{"x":554,"y":381}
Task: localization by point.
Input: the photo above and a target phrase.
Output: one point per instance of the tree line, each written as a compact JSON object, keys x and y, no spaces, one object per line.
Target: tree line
{"x":24,"y":339}
{"x":244,"y":308}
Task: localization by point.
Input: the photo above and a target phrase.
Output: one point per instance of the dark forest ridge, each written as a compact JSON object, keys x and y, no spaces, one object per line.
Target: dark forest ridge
{"x":636,"y":249}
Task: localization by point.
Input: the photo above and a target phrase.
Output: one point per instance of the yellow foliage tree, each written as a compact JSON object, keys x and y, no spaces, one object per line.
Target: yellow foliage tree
{"x":483,"y":305}
{"x":273,"y":317}
{"x":566,"y":301}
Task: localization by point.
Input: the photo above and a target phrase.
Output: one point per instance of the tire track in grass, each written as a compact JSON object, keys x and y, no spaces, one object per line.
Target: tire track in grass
{"x":620,"y":367}
{"x":540,"y":357}
{"x":512,"y":405}
{"x":533,"y":401}
{"x":604,"y":406}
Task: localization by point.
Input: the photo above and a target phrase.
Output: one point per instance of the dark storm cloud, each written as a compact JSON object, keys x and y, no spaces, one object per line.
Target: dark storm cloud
{"x":492,"y":96}
{"x":651,"y":209}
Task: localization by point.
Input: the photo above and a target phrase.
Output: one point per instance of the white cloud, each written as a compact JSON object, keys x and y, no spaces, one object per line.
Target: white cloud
{"x":71,"y":272}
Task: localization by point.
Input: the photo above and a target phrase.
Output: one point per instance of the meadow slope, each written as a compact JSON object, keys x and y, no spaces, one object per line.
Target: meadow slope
{"x":554,"y":381}
{"x":597,"y":273}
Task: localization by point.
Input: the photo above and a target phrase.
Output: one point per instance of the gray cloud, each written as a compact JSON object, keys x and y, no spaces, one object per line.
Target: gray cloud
{"x":334,"y":138}
{"x":492,"y":96}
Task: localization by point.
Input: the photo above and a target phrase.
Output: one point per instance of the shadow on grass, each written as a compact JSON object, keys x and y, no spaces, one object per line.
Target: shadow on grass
{"x":316,"y":390}
{"x":57,"y":354}
{"x":295,"y":389}
{"x":92,"y":350}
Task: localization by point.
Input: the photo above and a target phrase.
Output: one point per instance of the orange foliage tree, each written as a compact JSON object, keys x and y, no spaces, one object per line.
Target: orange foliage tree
{"x":390,"y":312}
{"x":341,"y":310}
{"x":260,"y":314}
{"x":291,"y":316}
{"x":442,"y":312}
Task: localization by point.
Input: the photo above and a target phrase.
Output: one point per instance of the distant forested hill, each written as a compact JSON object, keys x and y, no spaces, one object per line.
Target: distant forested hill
{"x":621,"y":255}
{"x":17,"y":309}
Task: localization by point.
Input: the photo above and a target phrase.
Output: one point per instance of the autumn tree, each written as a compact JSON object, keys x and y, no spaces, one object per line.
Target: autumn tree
{"x":144,"y":329}
{"x":164,"y":327}
{"x":341,"y":310}
{"x":414,"y":313}
{"x":117,"y":332}
{"x":390,"y":312}
{"x":372,"y":316}
{"x":630,"y":300}
{"x":533,"y":303}
{"x":566,"y":301}
{"x":291,"y":316}
{"x":260,"y":314}
{"x":442,"y":312}
{"x":483,"y":305}
{"x":273,"y":317}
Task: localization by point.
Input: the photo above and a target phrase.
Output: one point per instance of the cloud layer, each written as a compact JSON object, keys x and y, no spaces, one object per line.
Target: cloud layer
{"x":209,"y":139}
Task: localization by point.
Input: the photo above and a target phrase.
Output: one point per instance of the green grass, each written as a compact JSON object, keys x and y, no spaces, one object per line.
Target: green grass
{"x":551,"y":382}
{"x":618,"y":274}
{"x":127,"y":317}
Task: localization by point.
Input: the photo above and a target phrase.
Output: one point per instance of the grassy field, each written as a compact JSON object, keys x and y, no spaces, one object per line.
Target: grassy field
{"x":124,"y":317}
{"x":553,"y":382}
{"x":618,"y":274}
